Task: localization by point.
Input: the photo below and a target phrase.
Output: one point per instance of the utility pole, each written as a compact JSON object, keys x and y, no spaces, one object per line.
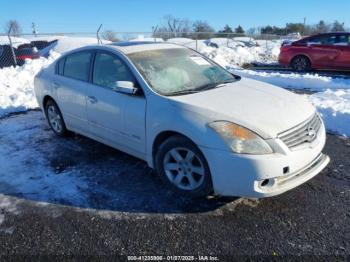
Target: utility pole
{"x":304,"y":26}
{"x":34,"y":29}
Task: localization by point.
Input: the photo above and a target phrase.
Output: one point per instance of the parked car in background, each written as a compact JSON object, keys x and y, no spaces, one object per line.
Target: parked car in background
{"x":322,"y":51}
{"x":200,"y":127}
{"x":32,"y":50}
{"x":24,"y":52}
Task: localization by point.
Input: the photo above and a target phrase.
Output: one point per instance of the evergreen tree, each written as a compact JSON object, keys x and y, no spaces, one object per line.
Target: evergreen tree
{"x":239,"y":30}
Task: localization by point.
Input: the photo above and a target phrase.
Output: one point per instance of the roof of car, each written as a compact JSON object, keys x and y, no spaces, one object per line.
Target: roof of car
{"x":331,"y":33}
{"x":133,"y":47}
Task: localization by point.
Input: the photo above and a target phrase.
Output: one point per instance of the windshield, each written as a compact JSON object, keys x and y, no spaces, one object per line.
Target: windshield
{"x":179,"y":71}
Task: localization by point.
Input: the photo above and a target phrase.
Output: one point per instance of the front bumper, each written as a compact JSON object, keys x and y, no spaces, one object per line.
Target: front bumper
{"x":260,"y":176}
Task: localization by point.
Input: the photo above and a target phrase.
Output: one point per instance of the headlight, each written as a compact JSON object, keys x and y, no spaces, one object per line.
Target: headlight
{"x":241,"y":140}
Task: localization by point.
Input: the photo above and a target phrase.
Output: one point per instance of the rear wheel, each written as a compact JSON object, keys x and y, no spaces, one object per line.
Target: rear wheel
{"x":301,"y":63}
{"x":183,"y":167}
{"x":55,"y":119}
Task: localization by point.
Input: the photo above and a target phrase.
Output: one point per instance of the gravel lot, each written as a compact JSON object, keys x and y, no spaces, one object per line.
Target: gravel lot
{"x":75,"y":196}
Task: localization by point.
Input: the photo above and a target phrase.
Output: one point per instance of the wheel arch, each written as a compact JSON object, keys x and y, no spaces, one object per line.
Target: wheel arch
{"x":46,"y":98}
{"x":163,"y":136}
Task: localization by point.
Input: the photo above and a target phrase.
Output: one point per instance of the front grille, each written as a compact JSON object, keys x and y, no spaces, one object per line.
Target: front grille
{"x":305,"y":133}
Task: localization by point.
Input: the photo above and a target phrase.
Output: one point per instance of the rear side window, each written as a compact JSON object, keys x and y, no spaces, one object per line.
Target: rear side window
{"x":77,"y":66}
{"x":323,"y":40}
{"x":344,"y":40}
{"x":108,"y":69}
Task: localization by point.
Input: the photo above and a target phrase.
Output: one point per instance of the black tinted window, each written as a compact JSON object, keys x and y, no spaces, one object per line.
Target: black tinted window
{"x":344,"y":40}
{"x":77,"y":66}
{"x":323,"y":40}
{"x":108,"y":69}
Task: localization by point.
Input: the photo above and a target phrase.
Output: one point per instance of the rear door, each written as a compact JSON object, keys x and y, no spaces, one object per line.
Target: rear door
{"x":322,"y":51}
{"x":116,"y":117}
{"x":343,"y":45}
{"x":70,"y":85}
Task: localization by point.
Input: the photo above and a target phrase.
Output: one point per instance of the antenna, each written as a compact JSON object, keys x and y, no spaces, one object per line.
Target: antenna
{"x":99,"y":41}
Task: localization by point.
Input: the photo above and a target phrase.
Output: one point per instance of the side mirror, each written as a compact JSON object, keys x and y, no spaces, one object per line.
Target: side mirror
{"x":126,"y":87}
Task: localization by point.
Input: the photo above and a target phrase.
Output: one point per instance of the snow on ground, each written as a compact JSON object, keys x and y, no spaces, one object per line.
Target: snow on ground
{"x":334,"y":105}
{"x":26,"y":171}
{"x":17,"y":85}
{"x":37,"y":165}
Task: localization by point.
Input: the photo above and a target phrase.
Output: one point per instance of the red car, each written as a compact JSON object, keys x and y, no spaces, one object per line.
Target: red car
{"x":322,"y":51}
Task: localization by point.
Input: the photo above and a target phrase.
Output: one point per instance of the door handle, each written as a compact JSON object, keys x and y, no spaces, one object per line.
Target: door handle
{"x":56,"y":85}
{"x":92,"y":99}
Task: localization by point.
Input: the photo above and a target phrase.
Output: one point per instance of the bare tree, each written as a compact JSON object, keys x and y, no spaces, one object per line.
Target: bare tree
{"x":206,"y":30}
{"x":110,"y":35}
{"x":14,"y":26}
{"x":173,"y":27}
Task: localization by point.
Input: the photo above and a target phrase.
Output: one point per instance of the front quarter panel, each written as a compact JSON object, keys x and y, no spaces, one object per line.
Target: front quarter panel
{"x":163,"y":115}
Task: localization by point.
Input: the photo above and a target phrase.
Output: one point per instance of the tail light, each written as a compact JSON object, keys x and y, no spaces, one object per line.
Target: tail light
{"x":31,"y":56}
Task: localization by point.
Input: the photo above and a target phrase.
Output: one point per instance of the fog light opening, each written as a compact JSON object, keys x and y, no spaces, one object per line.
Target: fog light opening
{"x":265,"y":182}
{"x":286,"y":170}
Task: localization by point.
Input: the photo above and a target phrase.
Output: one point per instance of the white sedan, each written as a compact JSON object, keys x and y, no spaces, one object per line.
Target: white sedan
{"x":203,"y":129}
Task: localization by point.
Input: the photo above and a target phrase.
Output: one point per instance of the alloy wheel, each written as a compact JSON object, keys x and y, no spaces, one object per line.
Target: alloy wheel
{"x":184,"y":168}
{"x":54,"y":119}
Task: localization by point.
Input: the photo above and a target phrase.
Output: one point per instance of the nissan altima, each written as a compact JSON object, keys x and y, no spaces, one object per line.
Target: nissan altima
{"x":203,"y":129}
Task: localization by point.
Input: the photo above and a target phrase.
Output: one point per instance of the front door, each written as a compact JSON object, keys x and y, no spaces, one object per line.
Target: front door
{"x":115,"y":117}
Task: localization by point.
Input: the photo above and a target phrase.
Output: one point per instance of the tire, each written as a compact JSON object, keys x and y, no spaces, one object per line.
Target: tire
{"x":182,"y":166}
{"x":55,"y":119}
{"x":300,"y":63}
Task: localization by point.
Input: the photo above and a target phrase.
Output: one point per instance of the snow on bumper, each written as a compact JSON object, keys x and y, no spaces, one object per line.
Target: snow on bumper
{"x":260,"y":176}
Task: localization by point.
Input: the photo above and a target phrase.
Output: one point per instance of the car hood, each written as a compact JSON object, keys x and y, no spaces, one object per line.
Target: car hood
{"x":263,"y":108}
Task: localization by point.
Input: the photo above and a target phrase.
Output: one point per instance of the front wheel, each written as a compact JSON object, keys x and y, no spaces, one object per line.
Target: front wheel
{"x":183,"y":167}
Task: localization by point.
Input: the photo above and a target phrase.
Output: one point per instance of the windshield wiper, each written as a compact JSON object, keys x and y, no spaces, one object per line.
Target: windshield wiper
{"x":214,"y":85}
{"x":201,"y":88}
{"x":183,"y":92}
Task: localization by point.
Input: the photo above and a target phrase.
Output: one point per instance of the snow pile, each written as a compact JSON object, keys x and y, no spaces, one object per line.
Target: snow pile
{"x":142,"y":38}
{"x":17,"y":85}
{"x":312,"y":82}
{"x":335,"y":109}
{"x":237,"y":53}
{"x":180,"y":40}
{"x":231,"y":57}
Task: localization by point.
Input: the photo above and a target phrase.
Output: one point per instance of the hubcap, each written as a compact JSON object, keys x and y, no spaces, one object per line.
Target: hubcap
{"x":54,"y":119}
{"x":184,"y":168}
{"x":300,"y":64}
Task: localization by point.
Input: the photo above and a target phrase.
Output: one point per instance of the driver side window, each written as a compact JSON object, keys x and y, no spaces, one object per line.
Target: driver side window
{"x":108,"y":69}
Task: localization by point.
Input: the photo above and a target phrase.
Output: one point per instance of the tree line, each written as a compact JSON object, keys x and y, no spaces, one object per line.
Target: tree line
{"x":177,"y":27}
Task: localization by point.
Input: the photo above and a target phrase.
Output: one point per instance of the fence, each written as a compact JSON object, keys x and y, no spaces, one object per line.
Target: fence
{"x":13,"y":50}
